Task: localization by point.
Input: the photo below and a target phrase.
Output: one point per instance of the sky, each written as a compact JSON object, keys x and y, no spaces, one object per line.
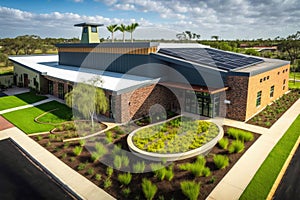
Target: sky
{"x":158,"y":19}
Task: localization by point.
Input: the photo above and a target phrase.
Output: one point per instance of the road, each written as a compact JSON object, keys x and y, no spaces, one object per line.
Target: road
{"x":289,"y":187}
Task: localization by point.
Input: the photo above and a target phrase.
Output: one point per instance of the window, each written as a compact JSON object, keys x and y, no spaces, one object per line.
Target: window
{"x":50,"y":87}
{"x":85,"y":29}
{"x":261,"y":80}
{"x":258,"y":99}
{"x":283,"y":86}
{"x":264,"y":78}
{"x":278,"y":73}
{"x":268,"y":77}
{"x":272,"y":91}
{"x":61,"y":93}
{"x":94,"y":29}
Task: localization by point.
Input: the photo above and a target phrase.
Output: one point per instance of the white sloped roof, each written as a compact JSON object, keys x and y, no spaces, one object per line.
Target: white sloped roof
{"x":48,"y":66}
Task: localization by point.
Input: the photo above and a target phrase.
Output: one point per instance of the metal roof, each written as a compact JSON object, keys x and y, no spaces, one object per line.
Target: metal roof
{"x":88,"y":24}
{"x":115,"y":82}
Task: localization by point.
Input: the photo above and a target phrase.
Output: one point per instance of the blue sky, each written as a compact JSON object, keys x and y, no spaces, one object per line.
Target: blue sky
{"x":229,"y":19}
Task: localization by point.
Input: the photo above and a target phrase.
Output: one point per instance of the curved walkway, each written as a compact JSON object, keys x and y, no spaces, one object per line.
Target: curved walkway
{"x":236,"y":180}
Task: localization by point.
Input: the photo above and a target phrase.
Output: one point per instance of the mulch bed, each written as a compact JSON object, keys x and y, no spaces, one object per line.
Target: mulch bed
{"x":167,"y":189}
{"x":267,"y":117}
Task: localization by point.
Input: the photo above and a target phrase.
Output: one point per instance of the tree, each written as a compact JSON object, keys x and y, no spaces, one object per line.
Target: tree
{"x":88,"y":98}
{"x":187,"y":35}
{"x":291,"y":45}
{"x":112,"y":28}
{"x":122,"y":28}
{"x":131,"y":28}
{"x":215,"y":37}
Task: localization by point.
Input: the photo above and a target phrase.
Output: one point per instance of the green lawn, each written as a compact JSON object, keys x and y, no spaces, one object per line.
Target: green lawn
{"x":262,"y":182}
{"x":293,"y":86}
{"x":297,"y":75}
{"x":19,"y":100}
{"x":24,"y":119}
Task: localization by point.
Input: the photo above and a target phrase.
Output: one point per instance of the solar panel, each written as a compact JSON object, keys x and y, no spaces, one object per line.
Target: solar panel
{"x":212,"y":57}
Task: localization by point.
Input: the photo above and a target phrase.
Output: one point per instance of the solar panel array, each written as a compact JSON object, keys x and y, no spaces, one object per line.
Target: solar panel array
{"x":212,"y":57}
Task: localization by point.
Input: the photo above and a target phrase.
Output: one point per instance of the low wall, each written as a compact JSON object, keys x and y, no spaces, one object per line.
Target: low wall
{"x":203,"y":150}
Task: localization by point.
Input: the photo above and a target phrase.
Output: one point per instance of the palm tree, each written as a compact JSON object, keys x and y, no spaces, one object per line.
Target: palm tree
{"x":131,"y":28}
{"x":112,"y":29}
{"x":122,"y":28}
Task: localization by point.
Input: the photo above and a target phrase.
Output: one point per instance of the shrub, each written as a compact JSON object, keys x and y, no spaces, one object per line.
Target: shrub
{"x":98,"y":177}
{"x":107,"y":183}
{"x":236,"y":146}
{"x":116,"y":150}
{"x":91,"y":171}
{"x":221,"y":161}
{"x":100,"y":148}
{"x":240,"y":134}
{"x":197,"y":168}
{"x":52,"y":136}
{"x":139,"y":167}
{"x":149,"y":189}
{"x":95,"y":156}
{"x":169,"y":174}
{"x":117,"y":162}
{"x":66,"y":145}
{"x":206,"y":172}
{"x":124,"y":179}
{"x":156,"y":166}
{"x":72,"y":159}
{"x":125,"y":160}
{"x":190,"y":189}
{"x":126,"y":192}
{"x":81,"y":166}
{"x":64,"y":155}
{"x":223,"y":143}
{"x":161,"y":173}
{"x":77,"y":150}
{"x":109,"y":171}
{"x":212,"y":180}
{"x":232,"y":132}
{"x":39,"y":138}
{"x":82,"y":142}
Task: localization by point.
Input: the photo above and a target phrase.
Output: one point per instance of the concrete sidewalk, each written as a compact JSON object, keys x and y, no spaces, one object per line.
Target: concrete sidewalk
{"x":236,"y":180}
{"x":63,"y":173}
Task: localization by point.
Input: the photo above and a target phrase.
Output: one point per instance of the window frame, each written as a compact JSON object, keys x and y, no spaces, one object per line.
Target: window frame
{"x":258,"y":98}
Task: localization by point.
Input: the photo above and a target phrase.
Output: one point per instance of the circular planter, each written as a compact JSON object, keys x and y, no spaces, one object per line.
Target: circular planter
{"x":203,"y":150}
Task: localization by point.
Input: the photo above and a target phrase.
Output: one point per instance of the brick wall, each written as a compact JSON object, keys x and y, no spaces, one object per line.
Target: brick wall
{"x":237,"y":95}
{"x":136,"y":104}
{"x":274,"y":78}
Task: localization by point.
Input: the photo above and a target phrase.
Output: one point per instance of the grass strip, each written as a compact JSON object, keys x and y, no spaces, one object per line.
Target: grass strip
{"x":19,"y":100}
{"x":263,"y":180}
{"x":24,"y":119}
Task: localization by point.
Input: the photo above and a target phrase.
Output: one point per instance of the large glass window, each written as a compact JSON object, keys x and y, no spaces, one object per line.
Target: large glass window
{"x":50,"y":87}
{"x":272,"y":91}
{"x":201,"y":103}
{"x":61,"y":93}
{"x":258,"y":99}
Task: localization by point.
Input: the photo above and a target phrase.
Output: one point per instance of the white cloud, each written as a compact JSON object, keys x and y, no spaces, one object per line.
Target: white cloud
{"x":230,"y":19}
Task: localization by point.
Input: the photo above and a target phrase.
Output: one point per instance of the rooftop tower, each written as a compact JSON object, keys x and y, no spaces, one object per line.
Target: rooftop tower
{"x":89,"y":32}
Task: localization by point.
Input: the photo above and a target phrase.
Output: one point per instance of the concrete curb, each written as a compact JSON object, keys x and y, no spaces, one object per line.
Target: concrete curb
{"x":283,"y":170}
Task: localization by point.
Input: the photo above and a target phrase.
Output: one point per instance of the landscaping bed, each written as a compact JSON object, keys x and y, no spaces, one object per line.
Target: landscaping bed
{"x":175,"y":136}
{"x":268,"y":116}
{"x":122,"y":185}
